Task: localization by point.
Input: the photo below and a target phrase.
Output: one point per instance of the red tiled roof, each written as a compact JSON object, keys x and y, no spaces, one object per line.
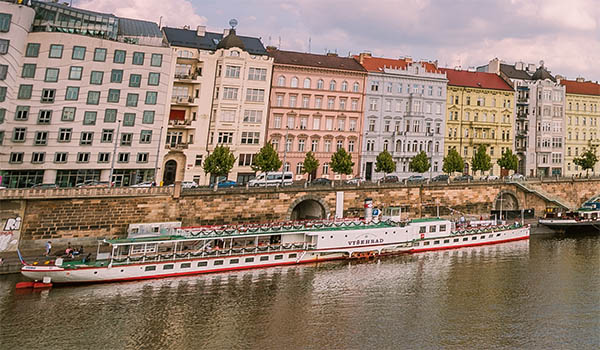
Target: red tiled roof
{"x":476,"y":79}
{"x":581,"y":87}
{"x":314,"y":60}
{"x":376,"y":64}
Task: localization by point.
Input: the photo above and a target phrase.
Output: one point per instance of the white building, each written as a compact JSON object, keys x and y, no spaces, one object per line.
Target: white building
{"x":405,"y":104}
{"x":82,"y":94}
{"x":220,"y":97}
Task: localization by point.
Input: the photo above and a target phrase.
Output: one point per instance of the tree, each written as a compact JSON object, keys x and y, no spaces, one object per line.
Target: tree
{"x":508,"y":161}
{"x":310,"y":164}
{"x":341,"y":162}
{"x":453,"y":162}
{"x":481,"y":160}
{"x":266,"y":159}
{"x":587,"y":160}
{"x":385,"y":163}
{"x":419,"y":163}
{"x":219,"y":162}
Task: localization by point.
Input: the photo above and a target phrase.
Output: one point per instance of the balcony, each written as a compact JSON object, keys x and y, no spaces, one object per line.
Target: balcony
{"x":187,"y":78}
{"x":178,"y":147}
{"x":523,"y":100}
{"x":183,"y":100}
{"x":521,"y":115}
{"x":180,"y":123}
{"x":521,"y":133}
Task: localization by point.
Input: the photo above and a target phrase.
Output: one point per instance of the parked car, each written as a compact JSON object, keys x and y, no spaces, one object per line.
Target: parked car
{"x":93,"y":184}
{"x":489,"y":178}
{"x":321,"y":181}
{"x":390,"y":179}
{"x":221,"y":184}
{"x":355,"y":181}
{"x":463,"y":178}
{"x":440,"y":178}
{"x":143,"y":184}
{"x":415,"y":178}
{"x":191,"y":184}
{"x":44,"y":186}
{"x":272,"y":179}
{"x":516,"y":176}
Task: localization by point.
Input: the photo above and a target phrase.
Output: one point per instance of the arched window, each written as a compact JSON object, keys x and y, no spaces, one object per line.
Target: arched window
{"x":437,"y":147}
{"x":344,"y":86}
{"x":399,"y":146}
{"x":332,"y":85}
{"x":386,"y":145}
{"x":320,"y":84}
{"x":307,"y":83}
{"x":356,"y":87}
{"x":281,"y":81}
{"x":294,"y":82}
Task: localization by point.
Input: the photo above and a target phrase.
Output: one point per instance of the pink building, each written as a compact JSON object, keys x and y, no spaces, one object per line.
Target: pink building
{"x":317,"y":102}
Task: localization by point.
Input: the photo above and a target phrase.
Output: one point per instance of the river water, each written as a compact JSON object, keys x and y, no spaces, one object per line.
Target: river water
{"x":537,"y":294}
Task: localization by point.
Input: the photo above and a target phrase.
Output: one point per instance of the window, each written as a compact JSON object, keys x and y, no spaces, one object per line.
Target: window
{"x":114,"y":95}
{"x":78,"y":53}
{"x":252,"y":116}
{"x":126,"y":139}
{"x":87,"y":137}
{"x":24,"y":92}
{"x":32,"y":50}
{"x":107,"y":135}
{"x":257,"y":74}
{"x":123,"y":157}
{"x":142,"y":157}
{"x":146,"y":136}
{"x":16,"y":157}
{"x":68,"y":114}
{"x":198,"y":160}
{"x":48,"y":95}
{"x":75,"y":73}
{"x":93,"y":97}
{"x":83,"y":157}
{"x":72,"y":93}
{"x":64,"y":134}
{"x":89,"y":118}
{"x":250,"y":138}
{"x":100,"y":55}
{"x":41,"y":138}
{"x":2,"y":93}
{"x":28,"y":71}
{"x":19,"y":134}
{"x":38,"y":157}
{"x":301,"y":145}
{"x":119,"y":56}
{"x":110,"y":115}
{"x":264,"y":258}
{"x":153,"y":79}
{"x":230,"y":93}
{"x":3,"y":71}
{"x":156,"y":60}
{"x":22,"y":113}
{"x":44,"y":116}
{"x":151,"y":97}
{"x":225,"y":138}
{"x":129,"y":119}
{"x":116,"y":76}
{"x":255,"y":95}
{"x":138,"y":58}
{"x":135,"y":80}
{"x":325,"y":168}
{"x":132,"y":100}
{"x":232,"y":71}
{"x":332,"y":85}
{"x":55,"y":51}
{"x":148,"y":117}
{"x":96,"y":77}
{"x":61,"y":157}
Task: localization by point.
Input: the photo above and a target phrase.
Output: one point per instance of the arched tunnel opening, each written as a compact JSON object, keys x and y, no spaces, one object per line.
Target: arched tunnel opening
{"x":506,"y":201}
{"x":307,"y":210}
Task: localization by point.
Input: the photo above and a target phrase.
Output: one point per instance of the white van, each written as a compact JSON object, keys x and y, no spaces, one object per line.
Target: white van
{"x":271,"y":179}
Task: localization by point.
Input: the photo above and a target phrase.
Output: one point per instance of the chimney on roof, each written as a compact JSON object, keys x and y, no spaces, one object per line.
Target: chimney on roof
{"x":519,"y":65}
{"x":531,"y":67}
{"x":226,"y":32}
{"x":200,"y":30}
{"x":471,"y":69}
{"x":408,"y":59}
{"x":362,"y":55}
{"x":271,"y":48}
{"x":332,"y":54}
{"x":580,"y":80}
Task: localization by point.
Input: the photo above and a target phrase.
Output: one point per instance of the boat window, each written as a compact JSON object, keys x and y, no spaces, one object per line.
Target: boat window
{"x":482,"y":237}
{"x":446,"y":241}
{"x":422,"y":229}
{"x":456,"y":240}
{"x":202,"y":263}
{"x":432,"y":228}
{"x":293,"y":255}
{"x":168,"y":267}
{"x":150,"y":268}
{"x":426,"y":243}
{"x":218,"y":262}
{"x":234,"y":261}
{"x":436,"y":242}
{"x":473,"y":238}
{"x":186,"y":265}
{"x":442,"y":228}
{"x":497,"y":235}
{"x":249,"y":260}
{"x":264,"y":258}
{"x":491,"y":236}
{"x":417,"y":244}
{"x":139,"y":248}
{"x":279,"y":257}
{"x":465,"y":239}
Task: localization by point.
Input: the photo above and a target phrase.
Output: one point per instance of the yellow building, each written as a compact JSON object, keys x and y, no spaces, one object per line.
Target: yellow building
{"x":583,"y":121}
{"x":480,"y":111}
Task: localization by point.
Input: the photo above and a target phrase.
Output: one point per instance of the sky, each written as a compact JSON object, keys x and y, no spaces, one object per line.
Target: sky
{"x":565,"y":34}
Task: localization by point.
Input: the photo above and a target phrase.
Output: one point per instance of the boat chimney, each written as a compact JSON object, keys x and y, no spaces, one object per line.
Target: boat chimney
{"x":368,"y":209}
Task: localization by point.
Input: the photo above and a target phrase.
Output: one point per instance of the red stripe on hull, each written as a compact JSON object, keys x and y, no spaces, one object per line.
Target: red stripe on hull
{"x":468,"y":245}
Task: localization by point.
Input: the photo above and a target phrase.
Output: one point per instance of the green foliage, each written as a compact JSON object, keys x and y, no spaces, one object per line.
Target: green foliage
{"x":310,"y":163}
{"x":419,"y":163}
{"x":508,"y":161}
{"x":385,"y":163}
{"x":482,"y":161}
{"x":587,"y":160}
{"x":266,"y":159}
{"x":341,"y":162}
{"x":453,"y":162}
{"x":219,"y":162}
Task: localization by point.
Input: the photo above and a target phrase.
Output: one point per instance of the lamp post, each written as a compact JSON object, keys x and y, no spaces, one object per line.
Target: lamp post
{"x":287,"y":129}
{"x":157,"y":155}
{"x":114,"y":155}
{"x":431,"y":158}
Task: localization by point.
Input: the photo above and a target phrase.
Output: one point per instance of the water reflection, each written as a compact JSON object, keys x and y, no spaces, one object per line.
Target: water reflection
{"x":527,"y":294}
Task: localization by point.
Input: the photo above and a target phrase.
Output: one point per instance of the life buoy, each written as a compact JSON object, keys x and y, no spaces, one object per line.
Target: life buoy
{"x":422,"y":235}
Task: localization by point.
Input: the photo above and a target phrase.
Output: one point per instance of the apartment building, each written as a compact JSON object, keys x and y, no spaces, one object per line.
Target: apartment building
{"x":83,"y":95}
{"x":405,"y":106}
{"x":220,"y":96}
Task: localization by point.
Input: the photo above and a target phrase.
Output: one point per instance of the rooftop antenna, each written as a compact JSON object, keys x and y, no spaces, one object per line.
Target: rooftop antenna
{"x":309,"y":42}
{"x":269,"y":40}
{"x":279,"y":43}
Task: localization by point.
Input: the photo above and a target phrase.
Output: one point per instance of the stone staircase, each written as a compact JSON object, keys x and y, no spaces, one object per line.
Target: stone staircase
{"x":545,"y":195}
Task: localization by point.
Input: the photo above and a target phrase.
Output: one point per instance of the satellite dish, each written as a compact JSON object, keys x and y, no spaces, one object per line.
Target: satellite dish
{"x":233,"y":23}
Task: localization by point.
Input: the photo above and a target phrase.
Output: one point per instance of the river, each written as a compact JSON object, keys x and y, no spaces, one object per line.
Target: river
{"x":538,"y":294}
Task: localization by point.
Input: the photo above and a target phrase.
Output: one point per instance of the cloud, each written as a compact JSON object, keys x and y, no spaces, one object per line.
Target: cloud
{"x":174,"y":13}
